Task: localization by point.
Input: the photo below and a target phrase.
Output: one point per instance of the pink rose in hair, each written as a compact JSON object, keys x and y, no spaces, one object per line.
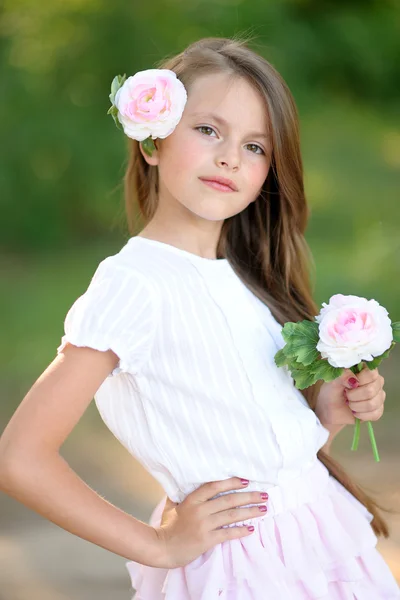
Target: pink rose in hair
{"x":150,"y":104}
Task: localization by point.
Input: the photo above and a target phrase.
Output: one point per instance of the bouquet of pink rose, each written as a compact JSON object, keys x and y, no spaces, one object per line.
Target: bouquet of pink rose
{"x":347,"y":331}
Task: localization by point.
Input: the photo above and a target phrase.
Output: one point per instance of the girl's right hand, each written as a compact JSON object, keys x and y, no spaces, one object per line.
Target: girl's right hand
{"x":193,"y":526}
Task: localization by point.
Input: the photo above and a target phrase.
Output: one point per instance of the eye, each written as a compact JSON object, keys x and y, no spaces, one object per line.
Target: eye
{"x":205,"y":127}
{"x":258,"y":147}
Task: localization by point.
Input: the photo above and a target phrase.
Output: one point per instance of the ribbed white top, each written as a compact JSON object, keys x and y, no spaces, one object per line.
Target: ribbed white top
{"x":196,"y":396}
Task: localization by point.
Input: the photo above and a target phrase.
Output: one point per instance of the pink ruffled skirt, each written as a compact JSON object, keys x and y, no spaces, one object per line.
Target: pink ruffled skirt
{"x":314,"y":542}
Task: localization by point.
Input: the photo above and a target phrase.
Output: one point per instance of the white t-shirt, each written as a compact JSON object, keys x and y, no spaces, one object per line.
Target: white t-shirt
{"x":196,"y":396}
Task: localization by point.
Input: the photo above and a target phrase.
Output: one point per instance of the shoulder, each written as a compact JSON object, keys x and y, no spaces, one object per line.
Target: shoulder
{"x":119,"y":310}
{"x":151,"y":264}
{"x":124,"y":272}
{"x":121,"y":287}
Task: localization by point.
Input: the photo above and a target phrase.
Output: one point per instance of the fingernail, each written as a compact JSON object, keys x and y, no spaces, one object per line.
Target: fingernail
{"x":353,"y":382}
{"x":353,"y":411}
{"x":245,"y":481}
{"x":347,"y":401}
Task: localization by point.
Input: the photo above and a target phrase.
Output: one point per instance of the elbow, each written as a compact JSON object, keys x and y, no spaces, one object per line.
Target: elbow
{"x":6,"y":473}
{"x":23,"y":463}
{"x":10,"y":472}
{"x":9,"y":464}
{"x":14,"y":469}
{"x":327,"y":448}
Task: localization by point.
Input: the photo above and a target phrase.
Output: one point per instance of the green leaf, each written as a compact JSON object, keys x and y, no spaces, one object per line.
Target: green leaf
{"x":116,"y":83}
{"x":113,"y":111}
{"x":148,"y":146}
{"x":280,"y":358}
{"x":324,"y":370}
{"x":305,"y":354}
{"x":287,"y":330}
{"x":302,"y":378}
{"x":396,"y":331}
{"x":298,"y":366}
{"x":306,"y":330}
{"x":306,"y":375}
{"x":301,"y":340}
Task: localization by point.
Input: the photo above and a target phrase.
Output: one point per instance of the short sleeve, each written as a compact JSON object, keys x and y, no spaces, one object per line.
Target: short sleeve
{"x":117,"y":312}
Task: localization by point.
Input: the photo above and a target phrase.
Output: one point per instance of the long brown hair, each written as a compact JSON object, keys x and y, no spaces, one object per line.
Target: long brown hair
{"x":264,"y":243}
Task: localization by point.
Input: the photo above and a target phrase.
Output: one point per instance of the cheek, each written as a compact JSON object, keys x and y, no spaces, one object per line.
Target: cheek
{"x":257,"y":174}
{"x":184,"y":157}
{"x":190,"y":155}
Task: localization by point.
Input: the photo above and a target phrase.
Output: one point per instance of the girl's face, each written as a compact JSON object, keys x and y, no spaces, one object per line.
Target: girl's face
{"x":223,"y":132}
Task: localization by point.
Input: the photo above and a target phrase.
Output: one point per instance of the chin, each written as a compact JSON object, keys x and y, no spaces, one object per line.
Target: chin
{"x":215,"y":208}
{"x":212,"y":214}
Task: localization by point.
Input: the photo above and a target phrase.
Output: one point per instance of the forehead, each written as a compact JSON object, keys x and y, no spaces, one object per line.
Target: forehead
{"x":232,"y":98}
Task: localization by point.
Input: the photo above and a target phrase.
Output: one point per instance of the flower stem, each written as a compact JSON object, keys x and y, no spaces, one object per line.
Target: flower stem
{"x":373,"y":442}
{"x":358,"y":367}
{"x":356,"y":436}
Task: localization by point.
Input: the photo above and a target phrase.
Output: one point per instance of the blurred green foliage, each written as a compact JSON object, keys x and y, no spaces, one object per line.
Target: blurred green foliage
{"x":62,"y":158}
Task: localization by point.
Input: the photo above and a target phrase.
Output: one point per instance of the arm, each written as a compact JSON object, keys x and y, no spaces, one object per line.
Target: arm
{"x":322,"y":410}
{"x":318,"y":397}
{"x":33,"y":472}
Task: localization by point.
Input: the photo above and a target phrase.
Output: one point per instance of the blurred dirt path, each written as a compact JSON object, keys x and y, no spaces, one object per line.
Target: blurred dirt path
{"x":40,"y":561}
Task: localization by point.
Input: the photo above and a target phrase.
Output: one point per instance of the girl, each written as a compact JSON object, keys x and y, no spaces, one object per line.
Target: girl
{"x":175,"y":338}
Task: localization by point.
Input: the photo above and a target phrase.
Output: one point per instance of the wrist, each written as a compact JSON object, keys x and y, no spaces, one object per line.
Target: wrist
{"x":160,"y":554}
{"x":321,"y":411}
{"x":152,"y":548}
{"x":328,"y":420}
{"x":331,"y":410}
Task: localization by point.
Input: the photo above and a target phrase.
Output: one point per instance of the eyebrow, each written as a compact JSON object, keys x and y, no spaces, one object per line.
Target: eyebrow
{"x":222,"y":121}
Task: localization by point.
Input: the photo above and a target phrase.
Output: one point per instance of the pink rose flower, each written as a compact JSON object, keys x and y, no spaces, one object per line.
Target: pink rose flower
{"x":352,"y":329}
{"x":150,"y":104}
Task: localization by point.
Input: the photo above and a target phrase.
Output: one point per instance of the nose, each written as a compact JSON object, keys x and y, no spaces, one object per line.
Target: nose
{"x":228,"y":157}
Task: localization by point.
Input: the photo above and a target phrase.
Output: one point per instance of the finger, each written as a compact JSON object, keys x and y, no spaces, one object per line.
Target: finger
{"x":229,"y":533}
{"x":235,"y":500}
{"x":365,"y":392}
{"x":345,"y":377}
{"x":212,"y":489}
{"x":366,"y":375}
{"x":350,"y":380}
{"x":369,"y":416}
{"x":353,"y":380}
{"x":366,"y":406}
{"x":234,"y":515}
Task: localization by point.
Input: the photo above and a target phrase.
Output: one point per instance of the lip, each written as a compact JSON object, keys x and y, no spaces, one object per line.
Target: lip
{"x":221,"y":180}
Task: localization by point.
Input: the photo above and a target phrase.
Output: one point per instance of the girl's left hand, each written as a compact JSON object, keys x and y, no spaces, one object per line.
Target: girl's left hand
{"x":351,"y":396}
